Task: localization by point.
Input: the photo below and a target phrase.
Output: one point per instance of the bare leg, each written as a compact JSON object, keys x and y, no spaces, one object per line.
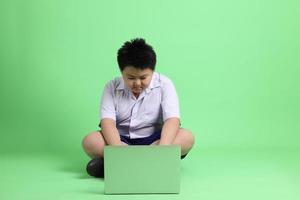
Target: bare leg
{"x":93,"y":144}
{"x":184,"y":138}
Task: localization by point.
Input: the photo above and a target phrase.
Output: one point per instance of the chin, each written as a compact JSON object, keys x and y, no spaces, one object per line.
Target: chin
{"x":134,"y":90}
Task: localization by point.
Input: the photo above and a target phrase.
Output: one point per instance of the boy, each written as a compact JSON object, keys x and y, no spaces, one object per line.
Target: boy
{"x":139,"y":108}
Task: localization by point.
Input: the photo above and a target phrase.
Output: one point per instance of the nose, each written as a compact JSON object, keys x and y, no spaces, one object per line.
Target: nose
{"x":137,"y":82}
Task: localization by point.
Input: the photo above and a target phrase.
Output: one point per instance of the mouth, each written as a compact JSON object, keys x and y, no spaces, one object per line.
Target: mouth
{"x":137,"y":89}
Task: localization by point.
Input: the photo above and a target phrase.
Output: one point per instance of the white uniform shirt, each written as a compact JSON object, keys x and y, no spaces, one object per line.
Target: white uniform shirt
{"x":137,"y":118}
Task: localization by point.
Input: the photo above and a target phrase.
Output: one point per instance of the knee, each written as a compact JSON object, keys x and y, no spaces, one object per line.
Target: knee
{"x":188,"y":139}
{"x":92,"y":141}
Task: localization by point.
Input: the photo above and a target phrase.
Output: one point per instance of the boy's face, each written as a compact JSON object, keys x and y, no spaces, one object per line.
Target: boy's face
{"x":137,"y":79}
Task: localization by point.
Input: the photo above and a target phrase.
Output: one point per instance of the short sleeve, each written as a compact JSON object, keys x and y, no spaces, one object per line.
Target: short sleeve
{"x":170,"y":104}
{"x":107,"y":105}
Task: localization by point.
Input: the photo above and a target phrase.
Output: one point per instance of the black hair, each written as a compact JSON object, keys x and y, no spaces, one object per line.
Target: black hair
{"x":136,"y":53}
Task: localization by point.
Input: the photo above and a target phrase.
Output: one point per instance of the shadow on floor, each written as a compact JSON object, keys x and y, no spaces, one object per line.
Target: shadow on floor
{"x":75,"y":166}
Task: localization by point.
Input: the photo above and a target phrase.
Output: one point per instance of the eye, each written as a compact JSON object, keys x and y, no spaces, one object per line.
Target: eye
{"x":131,"y":78}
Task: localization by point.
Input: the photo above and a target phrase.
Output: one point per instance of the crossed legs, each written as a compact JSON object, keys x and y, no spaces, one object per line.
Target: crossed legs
{"x":93,"y":143}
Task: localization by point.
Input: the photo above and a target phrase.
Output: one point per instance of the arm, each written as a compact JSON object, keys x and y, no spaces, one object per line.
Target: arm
{"x":110,"y":132}
{"x":108,"y":116}
{"x":169,"y":130}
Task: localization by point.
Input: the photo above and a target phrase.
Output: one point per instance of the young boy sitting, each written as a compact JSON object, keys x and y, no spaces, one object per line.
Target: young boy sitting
{"x":139,"y":108}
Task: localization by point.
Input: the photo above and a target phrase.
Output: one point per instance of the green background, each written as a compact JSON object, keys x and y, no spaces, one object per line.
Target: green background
{"x":235,"y":65}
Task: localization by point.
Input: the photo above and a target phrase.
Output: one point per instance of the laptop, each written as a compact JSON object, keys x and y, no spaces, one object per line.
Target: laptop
{"x":144,"y":169}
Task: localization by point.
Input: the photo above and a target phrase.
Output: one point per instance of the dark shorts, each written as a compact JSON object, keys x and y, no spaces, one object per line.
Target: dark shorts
{"x":141,"y":141}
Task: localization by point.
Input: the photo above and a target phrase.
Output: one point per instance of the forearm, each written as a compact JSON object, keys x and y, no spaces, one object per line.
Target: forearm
{"x":169,"y":131}
{"x":110,"y":132}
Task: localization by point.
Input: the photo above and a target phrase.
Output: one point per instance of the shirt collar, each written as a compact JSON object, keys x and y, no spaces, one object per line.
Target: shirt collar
{"x":155,"y":82}
{"x":121,"y":85}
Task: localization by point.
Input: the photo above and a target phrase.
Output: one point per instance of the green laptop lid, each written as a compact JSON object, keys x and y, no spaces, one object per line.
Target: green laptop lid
{"x":142,"y":169}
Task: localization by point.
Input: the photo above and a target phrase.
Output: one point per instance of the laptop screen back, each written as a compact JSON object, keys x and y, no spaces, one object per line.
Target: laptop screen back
{"x":142,"y":169}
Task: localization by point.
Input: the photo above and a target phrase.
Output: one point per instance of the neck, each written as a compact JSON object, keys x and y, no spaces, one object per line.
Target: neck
{"x":136,"y":95}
